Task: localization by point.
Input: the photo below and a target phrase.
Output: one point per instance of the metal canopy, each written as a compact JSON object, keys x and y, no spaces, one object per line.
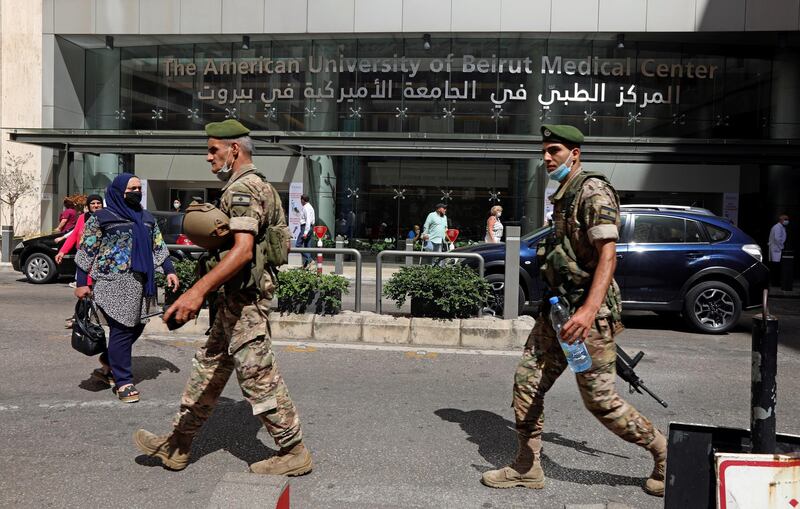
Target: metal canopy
{"x":473,"y":146}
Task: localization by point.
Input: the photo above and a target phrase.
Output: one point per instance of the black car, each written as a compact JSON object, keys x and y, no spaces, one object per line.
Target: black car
{"x":36,"y":258}
{"x":669,"y":260}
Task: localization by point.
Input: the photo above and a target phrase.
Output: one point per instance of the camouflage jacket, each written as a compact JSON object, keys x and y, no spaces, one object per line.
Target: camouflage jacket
{"x":253,"y":205}
{"x":585,"y":209}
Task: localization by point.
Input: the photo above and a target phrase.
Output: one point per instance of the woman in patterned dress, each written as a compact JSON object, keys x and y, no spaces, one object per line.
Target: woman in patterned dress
{"x":120,"y":249}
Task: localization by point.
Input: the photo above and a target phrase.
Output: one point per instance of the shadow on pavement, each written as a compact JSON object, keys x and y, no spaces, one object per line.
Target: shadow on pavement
{"x":496,"y":439}
{"x":231,"y":428}
{"x":144,"y":368}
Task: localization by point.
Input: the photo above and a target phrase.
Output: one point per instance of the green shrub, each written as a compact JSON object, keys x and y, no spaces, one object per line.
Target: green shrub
{"x":186,"y":270}
{"x":452,"y":291}
{"x":300,"y":290}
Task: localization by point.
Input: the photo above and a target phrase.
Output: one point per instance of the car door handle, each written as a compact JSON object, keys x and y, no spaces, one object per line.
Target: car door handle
{"x":694,"y":254}
{"x":619,"y":256}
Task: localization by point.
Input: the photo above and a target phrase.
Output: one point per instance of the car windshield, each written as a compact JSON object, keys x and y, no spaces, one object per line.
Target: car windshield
{"x":536,"y":233}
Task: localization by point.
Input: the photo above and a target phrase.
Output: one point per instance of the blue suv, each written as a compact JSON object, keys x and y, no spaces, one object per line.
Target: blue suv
{"x":670,"y":259}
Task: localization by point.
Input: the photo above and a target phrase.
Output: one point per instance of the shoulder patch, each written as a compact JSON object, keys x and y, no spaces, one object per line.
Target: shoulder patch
{"x":240,"y":199}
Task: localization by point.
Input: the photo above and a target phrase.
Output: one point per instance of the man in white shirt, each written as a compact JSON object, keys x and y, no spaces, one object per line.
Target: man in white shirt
{"x":777,"y":240}
{"x":307,"y":219}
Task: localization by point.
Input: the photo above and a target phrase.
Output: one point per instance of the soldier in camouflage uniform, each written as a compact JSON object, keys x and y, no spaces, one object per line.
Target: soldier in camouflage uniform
{"x":239,"y":339}
{"x":577,"y":263}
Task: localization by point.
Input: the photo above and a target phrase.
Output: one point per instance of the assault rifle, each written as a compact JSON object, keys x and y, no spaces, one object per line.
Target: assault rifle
{"x":625,"y":366}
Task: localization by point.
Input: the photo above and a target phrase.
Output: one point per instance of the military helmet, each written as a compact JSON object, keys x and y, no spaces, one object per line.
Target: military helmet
{"x":206,"y":225}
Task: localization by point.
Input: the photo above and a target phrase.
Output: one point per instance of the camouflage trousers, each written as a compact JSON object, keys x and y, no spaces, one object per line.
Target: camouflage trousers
{"x":239,"y":341}
{"x":542,"y":363}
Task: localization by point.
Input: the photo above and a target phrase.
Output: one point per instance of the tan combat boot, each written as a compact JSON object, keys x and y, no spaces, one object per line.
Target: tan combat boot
{"x":173,"y":449}
{"x":526,"y":471}
{"x":658,"y":448}
{"x":291,"y":462}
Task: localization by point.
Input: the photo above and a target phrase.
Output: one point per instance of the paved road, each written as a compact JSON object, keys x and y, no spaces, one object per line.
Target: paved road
{"x":387,"y":428}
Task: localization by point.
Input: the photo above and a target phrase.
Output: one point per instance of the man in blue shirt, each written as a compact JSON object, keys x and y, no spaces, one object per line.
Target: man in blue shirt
{"x":433,"y":232}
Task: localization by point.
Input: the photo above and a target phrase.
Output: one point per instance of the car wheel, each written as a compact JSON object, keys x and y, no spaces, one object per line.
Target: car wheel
{"x":497,"y":282}
{"x":40,"y":268}
{"x":712,"y":307}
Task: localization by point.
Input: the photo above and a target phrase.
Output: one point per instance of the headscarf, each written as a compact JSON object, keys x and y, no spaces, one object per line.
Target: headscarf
{"x":142,"y":249}
{"x":90,"y":199}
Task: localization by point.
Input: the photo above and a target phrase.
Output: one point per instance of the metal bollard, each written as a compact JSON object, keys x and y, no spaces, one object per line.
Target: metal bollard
{"x":7,"y":238}
{"x":787,"y":270}
{"x":763,"y":386}
{"x":511,"y":282}
{"x":409,"y":247}
{"x":338,"y":266}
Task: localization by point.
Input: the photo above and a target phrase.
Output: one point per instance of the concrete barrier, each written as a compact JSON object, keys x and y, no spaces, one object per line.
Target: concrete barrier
{"x":395,"y":330}
{"x":345,"y":327}
{"x":245,"y":490}
{"x":490,"y":333}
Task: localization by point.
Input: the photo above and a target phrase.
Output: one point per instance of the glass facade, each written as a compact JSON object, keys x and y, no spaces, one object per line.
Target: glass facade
{"x":687,"y":86}
{"x":469,"y":85}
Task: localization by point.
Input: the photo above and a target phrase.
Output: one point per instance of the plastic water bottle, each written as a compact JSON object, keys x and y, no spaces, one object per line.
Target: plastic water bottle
{"x":577,"y":355}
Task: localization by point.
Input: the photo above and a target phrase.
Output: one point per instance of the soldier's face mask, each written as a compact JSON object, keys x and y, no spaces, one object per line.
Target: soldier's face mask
{"x":560,"y":173}
{"x":224,"y":173}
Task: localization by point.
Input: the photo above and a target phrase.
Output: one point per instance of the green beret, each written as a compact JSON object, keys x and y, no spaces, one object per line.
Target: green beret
{"x":562,"y":133}
{"x":226,"y":129}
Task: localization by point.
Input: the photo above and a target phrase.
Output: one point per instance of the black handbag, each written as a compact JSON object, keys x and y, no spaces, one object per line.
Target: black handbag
{"x":88,"y":336}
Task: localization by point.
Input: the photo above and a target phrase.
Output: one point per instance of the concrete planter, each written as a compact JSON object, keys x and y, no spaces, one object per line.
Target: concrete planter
{"x":521,"y":330}
{"x":486,"y":332}
{"x":428,"y":331}
{"x":198,"y":326}
{"x":291,"y":326}
{"x":345,"y":327}
{"x":386,"y":329}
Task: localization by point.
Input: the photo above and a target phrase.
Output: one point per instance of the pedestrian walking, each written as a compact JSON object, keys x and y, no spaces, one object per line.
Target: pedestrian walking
{"x":434,"y":230}
{"x":307,"y":219}
{"x":120,"y":248}
{"x":68,"y":216}
{"x":94,"y":202}
{"x":240,"y":287}
{"x":494,"y":227}
{"x":577,"y":264}
{"x":777,"y":242}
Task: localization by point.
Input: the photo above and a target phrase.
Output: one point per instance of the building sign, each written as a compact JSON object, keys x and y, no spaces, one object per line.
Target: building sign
{"x":451,"y":90}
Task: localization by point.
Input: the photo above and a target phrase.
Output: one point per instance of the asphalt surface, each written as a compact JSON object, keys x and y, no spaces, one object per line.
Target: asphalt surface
{"x":387,"y":428}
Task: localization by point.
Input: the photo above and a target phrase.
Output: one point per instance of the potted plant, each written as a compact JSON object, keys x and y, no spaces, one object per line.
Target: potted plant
{"x":447,"y":292}
{"x":186,"y":270}
{"x":304,"y":291}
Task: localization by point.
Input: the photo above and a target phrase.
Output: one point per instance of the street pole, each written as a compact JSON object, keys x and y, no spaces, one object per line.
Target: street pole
{"x":409,"y":247}
{"x":763,"y":385}
{"x":511,"y":282}
{"x":339,"y":258}
{"x":7,"y":237}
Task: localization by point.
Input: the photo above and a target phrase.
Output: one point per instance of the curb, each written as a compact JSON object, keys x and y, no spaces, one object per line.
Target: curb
{"x":487,"y":333}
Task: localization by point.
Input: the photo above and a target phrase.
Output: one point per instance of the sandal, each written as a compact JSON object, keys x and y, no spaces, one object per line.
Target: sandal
{"x":106,"y":378}
{"x":128,"y":394}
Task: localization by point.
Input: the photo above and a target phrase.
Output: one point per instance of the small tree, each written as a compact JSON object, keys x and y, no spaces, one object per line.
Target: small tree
{"x":14,"y":184}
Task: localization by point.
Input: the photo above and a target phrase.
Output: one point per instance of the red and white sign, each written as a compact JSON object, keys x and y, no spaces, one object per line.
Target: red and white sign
{"x":762,"y":481}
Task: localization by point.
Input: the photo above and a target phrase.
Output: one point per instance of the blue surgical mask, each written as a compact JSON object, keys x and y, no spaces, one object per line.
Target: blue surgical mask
{"x":560,"y":173}
{"x":786,"y":223}
{"x":224,"y":173}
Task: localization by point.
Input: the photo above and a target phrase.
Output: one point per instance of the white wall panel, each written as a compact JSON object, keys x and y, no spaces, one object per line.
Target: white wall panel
{"x":117,"y":17}
{"x":426,"y":15}
{"x":525,"y":16}
{"x":74,"y":17}
{"x":159,"y":16}
{"x":622,"y":16}
{"x":671,"y":15}
{"x":331,"y":15}
{"x":574,"y":16}
{"x":476,"y":15}
{"x":242,"y":16}
{"x":772,"y":15}
{"x":201,"y":16}
{"x":379,"y":16}
{"x":48,"y":13}
{"x":282,"y":17}
{"x":716,"y":16}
